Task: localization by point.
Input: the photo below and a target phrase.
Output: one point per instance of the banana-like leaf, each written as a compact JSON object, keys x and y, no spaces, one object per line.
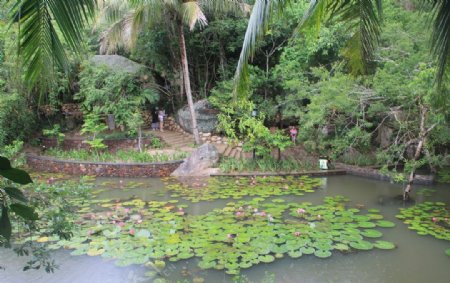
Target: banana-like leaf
{"x":4,"y":163}
{"x":24,"y":211}
{"x":16,"y":175}
{"x":5,"y":223}
{"x":15,"y":193}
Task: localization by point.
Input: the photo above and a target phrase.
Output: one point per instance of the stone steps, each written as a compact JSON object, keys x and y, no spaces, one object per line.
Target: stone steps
{"x":175,"y":139}
{"x":230,"y":151}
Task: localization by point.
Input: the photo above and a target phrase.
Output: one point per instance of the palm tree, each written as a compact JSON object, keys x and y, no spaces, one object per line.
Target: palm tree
{"x":40,"y":47}
{"x":128,"y":18}
{"x":363,"y":16}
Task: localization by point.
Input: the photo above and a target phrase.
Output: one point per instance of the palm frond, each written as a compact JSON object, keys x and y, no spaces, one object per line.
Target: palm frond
{"x":232,"y":7}
{"x":262,"y":12}
{"x":363,"y":18}
{"x":315,"y":15}
{"x":440,"y":38}
{"x":124,"y":32}
{"x":118,"y":35}
{"x":39,"y":43}
{"x":112,"y":11}
{"x":192,"y":14}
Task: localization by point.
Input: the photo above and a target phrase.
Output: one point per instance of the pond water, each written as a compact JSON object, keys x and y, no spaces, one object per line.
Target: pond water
{"x":416,"y":258}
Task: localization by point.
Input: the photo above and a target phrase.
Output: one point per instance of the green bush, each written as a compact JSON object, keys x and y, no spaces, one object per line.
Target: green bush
{"x":17,"y":121}
{"x":103,"y":91}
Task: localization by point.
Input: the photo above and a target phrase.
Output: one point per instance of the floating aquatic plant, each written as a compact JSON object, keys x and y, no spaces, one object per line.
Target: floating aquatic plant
{"x":428,"y":218}
{"x":238,"y":236}
{"x":237,"y":188}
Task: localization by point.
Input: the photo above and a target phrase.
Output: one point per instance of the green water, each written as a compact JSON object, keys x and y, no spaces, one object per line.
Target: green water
{"x":417,"y":258}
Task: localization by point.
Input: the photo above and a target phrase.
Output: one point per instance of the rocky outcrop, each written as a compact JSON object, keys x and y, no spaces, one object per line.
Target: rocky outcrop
{"x":206,"y":117}
{"x":117,"y":63}
{"x":199,"y":163}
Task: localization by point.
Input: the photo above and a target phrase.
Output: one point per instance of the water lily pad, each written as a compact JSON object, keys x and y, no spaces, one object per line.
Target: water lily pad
{"x":371,"y":233}
{"x":266,"y":258}
{"x":341,"y":247}
{"x":206,"y":264}
{"x":384,"y":245}
{"x":322,"y":253}
{"x":95,"y":252}
{"x":366,"y":224}
{"x":307,"y":250}
{"x":42,"y":240}
{"x":295,"y":254}
{"x":385,"y":224}
{"x":362,"y":245}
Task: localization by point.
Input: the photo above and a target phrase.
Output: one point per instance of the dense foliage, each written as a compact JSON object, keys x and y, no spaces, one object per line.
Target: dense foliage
{"x":104,"y":91}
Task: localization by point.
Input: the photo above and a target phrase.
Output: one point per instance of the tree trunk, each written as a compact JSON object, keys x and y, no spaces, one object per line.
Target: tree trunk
{"x":408,"y":187}
{"x":140,"y":139}
{"x":187,"y":83}
{"x":421,"y":141}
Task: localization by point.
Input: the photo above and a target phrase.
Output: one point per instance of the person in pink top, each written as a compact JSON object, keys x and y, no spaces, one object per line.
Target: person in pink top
{"x":293,"y":131}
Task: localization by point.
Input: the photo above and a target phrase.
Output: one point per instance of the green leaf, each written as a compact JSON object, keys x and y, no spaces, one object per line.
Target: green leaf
{"x":5,"y":224}
{"x":15,"y":193}
{"x":16,"y":175}
{"x":384,"y":245}
{"x":4,"y":163}
{"x":24,"y":211}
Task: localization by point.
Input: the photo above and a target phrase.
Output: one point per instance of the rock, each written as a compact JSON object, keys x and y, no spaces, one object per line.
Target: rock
{"x":117,"y":62}
{"x":206,"y":117}
{"x":206,"y":134}
{"x":204,"y":157}
{"x":351,"y":154}
{"x":384,"y":137}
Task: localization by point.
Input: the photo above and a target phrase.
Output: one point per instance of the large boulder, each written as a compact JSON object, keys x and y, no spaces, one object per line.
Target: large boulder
{"x":199,"y":163}
{"x":206,"y":117}
{"x":117,"y":63}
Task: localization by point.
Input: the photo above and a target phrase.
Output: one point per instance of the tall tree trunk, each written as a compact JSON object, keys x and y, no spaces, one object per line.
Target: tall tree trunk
{"x":187,"y":83}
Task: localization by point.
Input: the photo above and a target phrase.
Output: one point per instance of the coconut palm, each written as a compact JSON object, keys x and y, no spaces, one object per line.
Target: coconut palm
{"x":40,"y":25}
{"x":363,"y":17}
{"x":127,"y":18}
{"x":41,"y":48}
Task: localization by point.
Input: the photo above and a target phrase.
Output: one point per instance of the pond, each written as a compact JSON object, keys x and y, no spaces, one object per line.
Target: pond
{"x":415,"y":259}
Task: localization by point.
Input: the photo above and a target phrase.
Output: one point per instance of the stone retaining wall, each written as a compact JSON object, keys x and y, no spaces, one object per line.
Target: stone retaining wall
{"x":342,"y":169}
{"x":374,"y":173}
{"x":104,"y":169}
{"x":79,"y":143}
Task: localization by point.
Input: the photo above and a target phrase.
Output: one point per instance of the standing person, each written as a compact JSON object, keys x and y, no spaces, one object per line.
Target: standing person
{"x":161,"y":115}
{"x":293,"y":132}
{"x":155,"y":120}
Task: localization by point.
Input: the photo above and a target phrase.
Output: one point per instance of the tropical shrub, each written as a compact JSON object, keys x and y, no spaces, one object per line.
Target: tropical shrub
{"x":103,"y":91}
{"x":17,"y":120}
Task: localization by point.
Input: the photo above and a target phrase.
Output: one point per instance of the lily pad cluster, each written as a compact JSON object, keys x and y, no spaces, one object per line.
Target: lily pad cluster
{"x":237,"y":236}
{"x":237,"y":188}
{"x":428,"y":218}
